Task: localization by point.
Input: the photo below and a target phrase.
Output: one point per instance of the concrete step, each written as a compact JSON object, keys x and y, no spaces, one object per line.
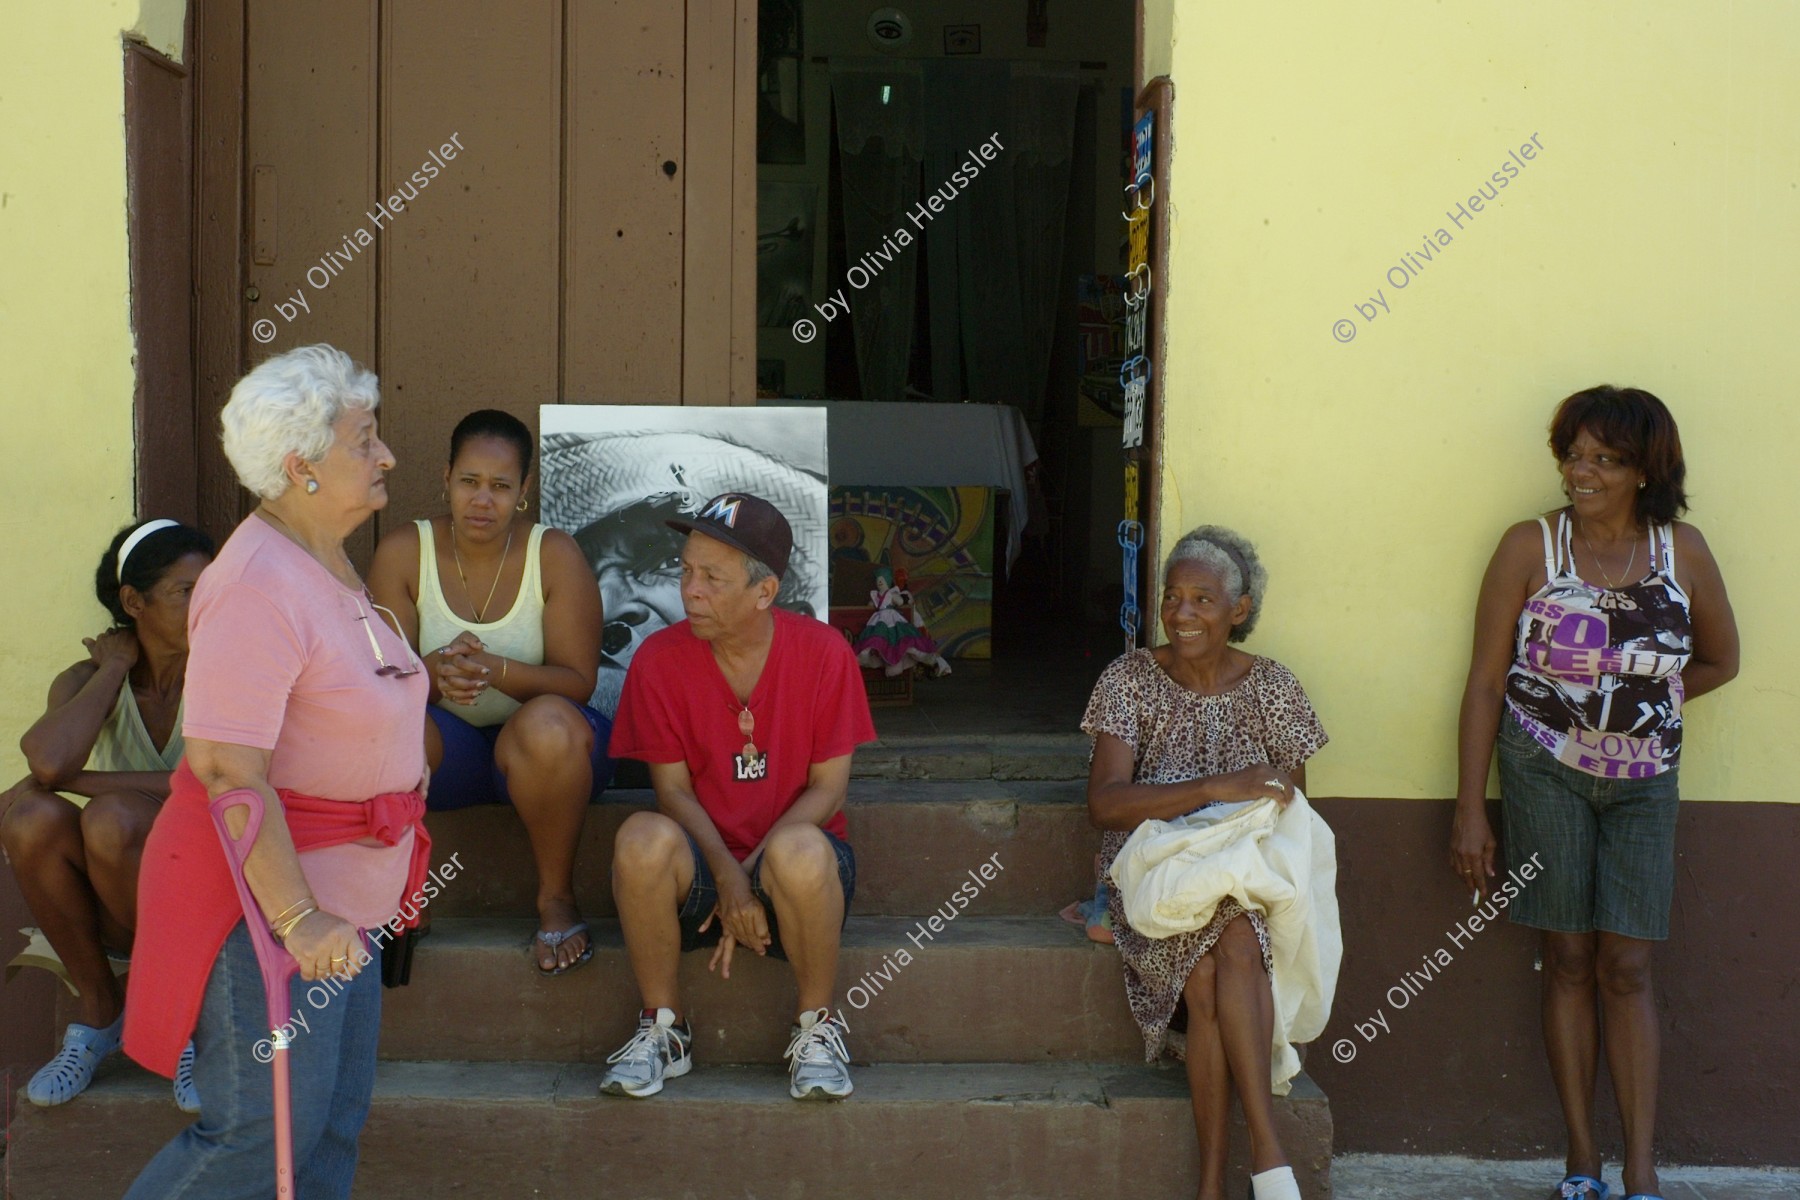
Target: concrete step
{"x":923,"y":1132}
{"x":914,"y":840}
{"x":975,"y":756}
{"x":476,"y":995}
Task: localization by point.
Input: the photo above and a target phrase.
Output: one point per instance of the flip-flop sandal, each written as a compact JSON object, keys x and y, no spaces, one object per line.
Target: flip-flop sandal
{"x":554,"y":939}
{"x":1579,"y":1186}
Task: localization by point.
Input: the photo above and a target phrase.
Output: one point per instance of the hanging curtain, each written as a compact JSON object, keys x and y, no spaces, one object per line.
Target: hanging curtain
{"x":881,"y":143}
{"x":996,"y":250}
{"x":1044,"y":98}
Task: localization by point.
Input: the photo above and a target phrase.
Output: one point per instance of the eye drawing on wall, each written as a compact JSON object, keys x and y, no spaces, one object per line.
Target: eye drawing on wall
{"x":613,"y":474}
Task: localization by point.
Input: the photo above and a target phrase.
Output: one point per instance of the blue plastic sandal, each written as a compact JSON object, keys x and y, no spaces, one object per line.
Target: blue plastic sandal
{"x":1582,"y":1186}
{"x":187,"y":1097}
{"x":68,"y":1074}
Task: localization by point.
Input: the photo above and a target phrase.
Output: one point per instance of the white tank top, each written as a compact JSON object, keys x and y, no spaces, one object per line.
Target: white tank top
{"x":519,"y":635}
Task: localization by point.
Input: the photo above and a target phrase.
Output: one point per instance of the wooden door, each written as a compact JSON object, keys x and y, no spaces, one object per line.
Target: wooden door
{"x":548,"y":201}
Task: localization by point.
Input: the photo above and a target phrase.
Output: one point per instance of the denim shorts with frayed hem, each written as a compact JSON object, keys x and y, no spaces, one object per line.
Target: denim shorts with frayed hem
{"x":1604,"y":849}
{"x":703,"y":895}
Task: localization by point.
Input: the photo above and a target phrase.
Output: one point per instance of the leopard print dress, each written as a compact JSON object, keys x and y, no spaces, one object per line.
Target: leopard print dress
{"x":1177,"y":735}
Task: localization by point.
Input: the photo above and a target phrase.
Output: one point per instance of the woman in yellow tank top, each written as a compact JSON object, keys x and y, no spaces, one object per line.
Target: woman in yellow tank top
{"x":100,"y":759}
{"x":507,"y":616}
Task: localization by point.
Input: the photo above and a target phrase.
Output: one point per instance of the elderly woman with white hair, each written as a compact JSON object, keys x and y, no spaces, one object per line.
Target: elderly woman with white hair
{"x":299,"y":691}
{"x":1191,"y":723}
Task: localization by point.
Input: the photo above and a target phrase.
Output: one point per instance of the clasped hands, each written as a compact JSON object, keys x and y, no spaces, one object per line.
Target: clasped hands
{"x":741,"y":918}
{"x":465,"y":669}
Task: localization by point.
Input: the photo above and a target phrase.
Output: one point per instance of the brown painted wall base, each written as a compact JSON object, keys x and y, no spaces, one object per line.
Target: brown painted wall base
{"x":27,"y":1004}
{"x":1461,"y":1068}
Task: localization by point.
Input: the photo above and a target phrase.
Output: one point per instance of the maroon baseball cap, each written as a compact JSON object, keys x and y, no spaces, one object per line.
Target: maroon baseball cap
{"x":744,"y":522}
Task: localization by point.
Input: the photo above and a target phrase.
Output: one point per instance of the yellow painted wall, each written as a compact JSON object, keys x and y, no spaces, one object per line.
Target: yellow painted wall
{"x":1654,"y":242}
{"x":66,"y":344}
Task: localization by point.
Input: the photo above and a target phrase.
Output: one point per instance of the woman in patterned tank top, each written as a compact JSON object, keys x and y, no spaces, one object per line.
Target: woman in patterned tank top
{"x":1596,"y":623}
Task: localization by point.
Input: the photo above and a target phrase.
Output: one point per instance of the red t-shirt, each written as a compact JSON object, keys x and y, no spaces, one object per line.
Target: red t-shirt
{"x":809,"y":706}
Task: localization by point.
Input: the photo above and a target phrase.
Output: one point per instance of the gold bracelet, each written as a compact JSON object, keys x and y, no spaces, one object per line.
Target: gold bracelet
{"x":281,"y":934}
{"x":282,"y":916}
{"x":503,"y":662}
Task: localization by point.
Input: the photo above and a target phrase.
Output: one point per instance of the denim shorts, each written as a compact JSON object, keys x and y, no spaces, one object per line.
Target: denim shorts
{"x":467,"y":775}
{"x":704,"y":894}
{"x":1604,"y":849}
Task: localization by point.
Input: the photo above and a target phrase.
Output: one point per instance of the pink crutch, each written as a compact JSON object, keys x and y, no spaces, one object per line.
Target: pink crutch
{"x":278,"y":966}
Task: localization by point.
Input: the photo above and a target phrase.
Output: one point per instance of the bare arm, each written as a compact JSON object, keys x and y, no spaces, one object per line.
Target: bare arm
{"x":572,"y":623}
{"x":1715,"y":660}
{"x":394,"y":582}
{"x":675,"y":799}
{"x":57,"y":745}
{"x":1502,"y":599}
{"x":1115,"y":802}
{"x":1504,"y":590}
{"x":92,"y":783}
{"x":323,"y":943}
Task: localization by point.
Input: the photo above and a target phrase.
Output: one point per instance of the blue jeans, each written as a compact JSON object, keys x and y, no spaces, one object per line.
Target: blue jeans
{"x":1604,"y":848}
{"x":229,"y":1152}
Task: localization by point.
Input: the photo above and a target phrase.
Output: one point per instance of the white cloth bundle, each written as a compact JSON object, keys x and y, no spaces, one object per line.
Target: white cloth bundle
{"x":1282,"y":863}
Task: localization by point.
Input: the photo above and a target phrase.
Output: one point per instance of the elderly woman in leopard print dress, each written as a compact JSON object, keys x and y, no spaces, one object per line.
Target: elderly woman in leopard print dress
{"x":1194,"y":722}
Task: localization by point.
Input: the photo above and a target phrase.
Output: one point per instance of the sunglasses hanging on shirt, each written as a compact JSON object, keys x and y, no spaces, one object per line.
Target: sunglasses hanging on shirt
{"x":751,"y":763}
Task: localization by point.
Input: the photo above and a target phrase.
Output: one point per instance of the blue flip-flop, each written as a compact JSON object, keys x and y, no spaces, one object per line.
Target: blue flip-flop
{"x":1582,"y":1186}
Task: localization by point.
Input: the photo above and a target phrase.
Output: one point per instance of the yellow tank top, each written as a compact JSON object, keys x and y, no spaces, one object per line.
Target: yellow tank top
{"x":519,"y":635}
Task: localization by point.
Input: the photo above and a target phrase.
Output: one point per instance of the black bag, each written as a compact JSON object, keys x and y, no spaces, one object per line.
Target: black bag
{"x":396,"y":958}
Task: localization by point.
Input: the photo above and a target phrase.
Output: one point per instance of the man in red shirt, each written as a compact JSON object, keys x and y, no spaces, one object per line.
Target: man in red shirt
{"x":747,"y":716}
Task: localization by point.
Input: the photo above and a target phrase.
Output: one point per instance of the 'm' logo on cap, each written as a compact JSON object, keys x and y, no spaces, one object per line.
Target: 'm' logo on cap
{"x":724,"y":510}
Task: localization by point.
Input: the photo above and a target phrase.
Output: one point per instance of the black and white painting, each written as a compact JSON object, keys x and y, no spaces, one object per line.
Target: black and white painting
{"x":611,"y":475}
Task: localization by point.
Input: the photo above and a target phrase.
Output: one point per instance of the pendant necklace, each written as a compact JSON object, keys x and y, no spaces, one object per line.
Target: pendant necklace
{"x":1611,"y":586}
{"x":500,"y":570}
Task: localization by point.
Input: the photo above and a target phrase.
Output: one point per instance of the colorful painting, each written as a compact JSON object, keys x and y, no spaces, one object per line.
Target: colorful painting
{"x":941,"y":537}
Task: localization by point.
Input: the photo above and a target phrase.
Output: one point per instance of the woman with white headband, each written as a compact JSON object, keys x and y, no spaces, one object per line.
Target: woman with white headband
{"x":100,"y":758}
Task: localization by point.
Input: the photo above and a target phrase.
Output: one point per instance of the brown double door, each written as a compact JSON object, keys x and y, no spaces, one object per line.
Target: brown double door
{"x":492,"y":205}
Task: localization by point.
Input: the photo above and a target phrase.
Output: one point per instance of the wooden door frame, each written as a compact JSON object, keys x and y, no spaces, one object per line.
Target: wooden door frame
{"x":1158,"y":95}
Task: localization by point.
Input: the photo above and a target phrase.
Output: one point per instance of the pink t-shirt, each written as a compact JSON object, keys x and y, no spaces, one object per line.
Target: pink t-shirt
{"x":278,"y":659}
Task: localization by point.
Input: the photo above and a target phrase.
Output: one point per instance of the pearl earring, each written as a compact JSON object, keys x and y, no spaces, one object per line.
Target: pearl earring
{"x":312,"y":487}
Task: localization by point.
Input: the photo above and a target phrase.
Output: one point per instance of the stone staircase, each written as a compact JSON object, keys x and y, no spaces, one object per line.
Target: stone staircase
{"x":1000,"y":1062}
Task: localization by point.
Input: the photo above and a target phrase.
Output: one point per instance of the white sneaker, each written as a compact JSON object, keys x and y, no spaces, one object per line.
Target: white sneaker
{"x":820,"y":1063}
{"x":659,"y":1050}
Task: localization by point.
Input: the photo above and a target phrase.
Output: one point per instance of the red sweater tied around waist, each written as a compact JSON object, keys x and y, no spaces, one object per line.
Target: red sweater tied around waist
{"x":188,"y":904}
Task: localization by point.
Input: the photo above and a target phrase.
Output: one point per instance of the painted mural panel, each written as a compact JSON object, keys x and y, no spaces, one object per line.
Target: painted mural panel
{"x":941,"y":537}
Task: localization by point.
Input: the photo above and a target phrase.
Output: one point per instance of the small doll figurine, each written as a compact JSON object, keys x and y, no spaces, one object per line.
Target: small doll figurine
{"x":889,"y":641}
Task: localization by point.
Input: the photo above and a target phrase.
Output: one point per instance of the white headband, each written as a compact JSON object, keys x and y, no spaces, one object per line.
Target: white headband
{"x":137,"y":535}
